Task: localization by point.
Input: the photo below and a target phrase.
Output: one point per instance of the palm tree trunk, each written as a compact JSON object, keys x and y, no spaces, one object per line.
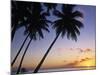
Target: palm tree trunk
{"x":23,"y":57}
{"x":12,"y":34}
{"x":19,"y":50}
{"x":41,"y":62}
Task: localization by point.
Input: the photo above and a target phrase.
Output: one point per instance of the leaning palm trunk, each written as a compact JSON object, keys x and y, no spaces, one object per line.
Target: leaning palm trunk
{"x":19,"y":50}
{"x":13,"y":33}
{"x":23,"y":57}
{"x":41,"y":62}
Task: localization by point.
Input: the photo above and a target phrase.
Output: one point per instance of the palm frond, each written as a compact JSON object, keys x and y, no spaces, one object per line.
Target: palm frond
{"x":77,"y":23}
{"x":58,"y":13}
{"x":77,"y":14}
{"x":68,"y":24}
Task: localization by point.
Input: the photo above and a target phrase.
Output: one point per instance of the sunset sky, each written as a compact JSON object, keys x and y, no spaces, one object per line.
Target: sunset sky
{"x":65,"y":52}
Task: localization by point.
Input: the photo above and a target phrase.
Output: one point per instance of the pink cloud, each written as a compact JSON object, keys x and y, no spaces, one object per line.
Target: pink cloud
{"x":61,"y":49}
{"x":84,"y":50}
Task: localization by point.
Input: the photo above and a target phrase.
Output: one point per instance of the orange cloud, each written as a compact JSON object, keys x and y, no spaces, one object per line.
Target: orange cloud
{"x":85,"y":59}
{"x":87,"y":50}
{"x":65,"y":61}
{"x":72,"y":64}
{"x":81,"y":50}
{"x":76,"y":62}
{"x":78,"y":49}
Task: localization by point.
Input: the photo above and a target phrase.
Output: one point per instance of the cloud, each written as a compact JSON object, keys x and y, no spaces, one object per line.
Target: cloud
{"x":61,"y":49}
{"x":71,"y":49}
{"x":65,"y":61}
{"x":88,"y":49}
{"x":80,"y":50}
{"x":85,"y":59}
{"x":77,"y":49}
{"x":84,"y":50}
{"x":72,"y":64}
{"x":76,"y":62}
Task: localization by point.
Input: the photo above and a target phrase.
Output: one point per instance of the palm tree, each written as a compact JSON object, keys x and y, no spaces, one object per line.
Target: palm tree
{"x":27,"y":8}
{"x":66,"y":25}
{"x":18,"y":20}
{"x":37,"y":23}
{"x":50,"y":6}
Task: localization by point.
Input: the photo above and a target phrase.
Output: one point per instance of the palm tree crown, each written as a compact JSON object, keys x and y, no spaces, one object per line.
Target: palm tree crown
{"x":68,"y":24}
{"x":49,"y":7}
{"x":36,"y":22}
{"x":20,"y":11}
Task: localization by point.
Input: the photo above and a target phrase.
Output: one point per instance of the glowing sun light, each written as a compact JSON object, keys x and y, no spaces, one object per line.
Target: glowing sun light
{"x":87,"y":63}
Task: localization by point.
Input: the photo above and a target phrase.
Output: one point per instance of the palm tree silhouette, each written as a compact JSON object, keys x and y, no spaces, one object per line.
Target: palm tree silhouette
{"x":36,"y":24}
{"x":66,"y":25}
{"x":18,"y":18}
{"x":49,"y":7}
{"x":27,"y":8}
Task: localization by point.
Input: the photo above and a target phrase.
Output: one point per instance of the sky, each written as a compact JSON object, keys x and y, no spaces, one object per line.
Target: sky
{"x":65,"y":52}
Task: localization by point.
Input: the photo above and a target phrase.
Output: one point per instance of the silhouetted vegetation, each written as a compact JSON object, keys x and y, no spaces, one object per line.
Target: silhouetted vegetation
{"x":50,"y":6}
{"x":67,"y":25}
{"x":30,"y":16}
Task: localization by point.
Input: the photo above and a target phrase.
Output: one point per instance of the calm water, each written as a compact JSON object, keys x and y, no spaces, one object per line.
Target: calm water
{"x":57,"y":70}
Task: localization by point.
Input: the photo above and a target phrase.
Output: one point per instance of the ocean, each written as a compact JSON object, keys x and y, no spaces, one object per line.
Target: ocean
{"x":29,"y":71}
